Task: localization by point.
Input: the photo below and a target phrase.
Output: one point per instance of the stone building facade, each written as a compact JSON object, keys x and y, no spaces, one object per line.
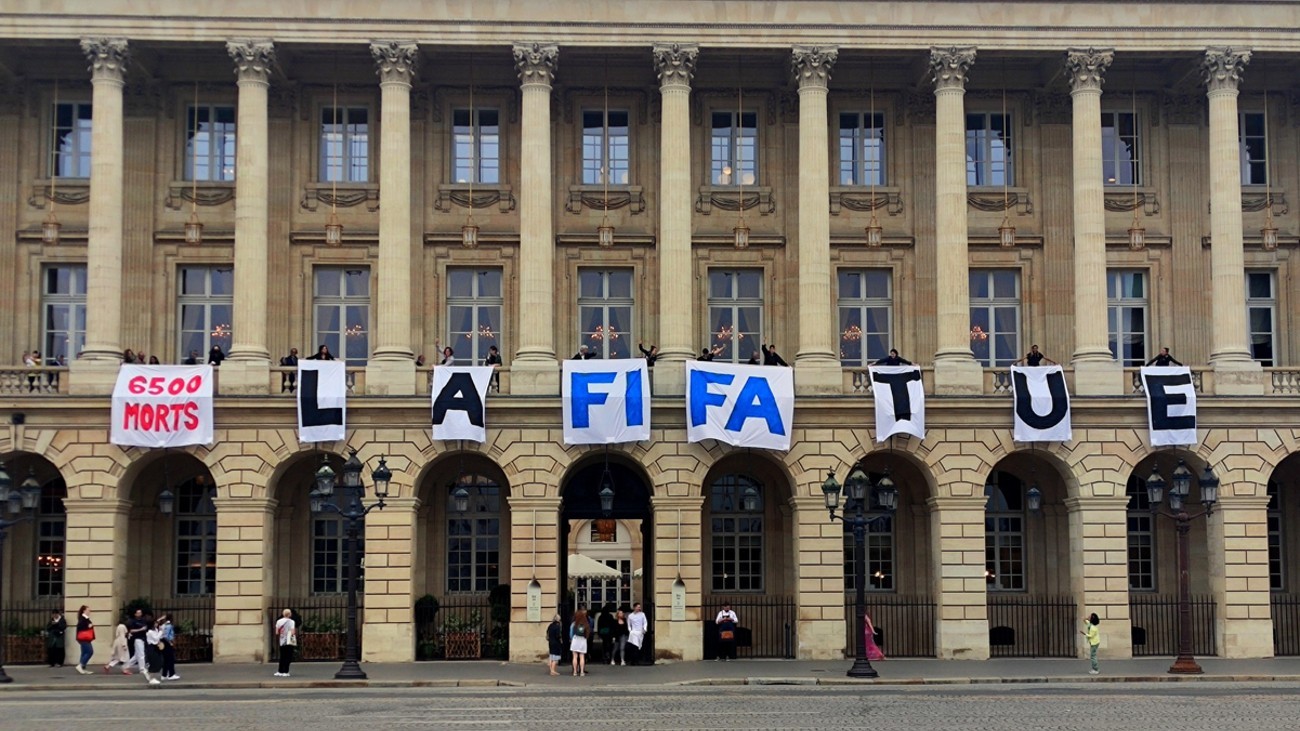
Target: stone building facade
{"x":953,"y":180}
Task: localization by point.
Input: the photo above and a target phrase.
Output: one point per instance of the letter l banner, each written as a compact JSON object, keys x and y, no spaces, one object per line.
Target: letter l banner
{"x":322,"y":400}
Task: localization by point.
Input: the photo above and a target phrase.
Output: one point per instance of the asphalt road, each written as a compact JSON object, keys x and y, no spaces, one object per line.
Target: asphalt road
{"x":1156,"y":706}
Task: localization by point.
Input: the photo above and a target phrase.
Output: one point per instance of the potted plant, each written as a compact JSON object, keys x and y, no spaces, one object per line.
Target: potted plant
{"x":462,"y":636}
{"x":24,"y":644}
{"x":321,"y":638}
{"x":191,"y":646}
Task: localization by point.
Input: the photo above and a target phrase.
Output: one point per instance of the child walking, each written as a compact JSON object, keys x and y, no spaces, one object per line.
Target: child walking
{"x":1093,"y":635}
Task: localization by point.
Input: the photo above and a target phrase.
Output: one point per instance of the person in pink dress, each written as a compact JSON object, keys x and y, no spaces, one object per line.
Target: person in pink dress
{"x":873,"y":650}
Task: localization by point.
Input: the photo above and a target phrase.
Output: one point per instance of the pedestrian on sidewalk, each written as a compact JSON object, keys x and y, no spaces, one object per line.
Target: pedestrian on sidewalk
{"x":637,"y":626}
{"x":85,"y":638}
{"x":286,"y":635}
{"x":873,"y":650}
{"x":153,"y":654}
{"x":1093,"y":635}
{"x":727,"y":621}
{"x":54,"y":638}
{"x":554,"y":644}
{"x":168,"y":629}
{"x":136,"y":628}
{"x":120,"y":654}
{"x":579,"y":631}
{"x":618,"y":639}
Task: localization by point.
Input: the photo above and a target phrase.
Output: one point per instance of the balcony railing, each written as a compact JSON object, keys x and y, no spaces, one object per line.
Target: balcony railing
{"x":32,"y":380}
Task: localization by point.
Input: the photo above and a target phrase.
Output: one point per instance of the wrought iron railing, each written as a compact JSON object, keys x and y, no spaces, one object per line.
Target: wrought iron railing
{"x":1155,"y":624}
{"x":462,"y":627}
{"x":1286,"y":623}
{"x":904,"y":624}
{"x":1023,"y":625}
{"x":322,"y":624}
{"x":766,"y":627}
{"x":24,"y":629}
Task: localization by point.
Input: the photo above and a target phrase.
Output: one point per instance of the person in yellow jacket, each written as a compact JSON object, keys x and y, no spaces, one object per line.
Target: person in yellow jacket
{"x":1093,"y":635}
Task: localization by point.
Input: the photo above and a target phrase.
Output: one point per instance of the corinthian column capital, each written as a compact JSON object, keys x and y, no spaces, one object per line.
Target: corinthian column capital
{"x":395,"y":61}
{"x":1223,"y":68}
{"x":811,"y":65}
{"x":950,"y":65}
{"x":253,"y":59}
{"x":675,"y":63}
{"x":537,"y":62}
{"x":107,"y":56}
{"x":1087,"y":67}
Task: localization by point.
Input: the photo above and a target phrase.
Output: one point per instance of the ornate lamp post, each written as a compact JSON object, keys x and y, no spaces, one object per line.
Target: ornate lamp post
{"x":347,"y":504}
{"x":1179,"y":487}
{"x":21,"y":506}
{"x":886,"y":496}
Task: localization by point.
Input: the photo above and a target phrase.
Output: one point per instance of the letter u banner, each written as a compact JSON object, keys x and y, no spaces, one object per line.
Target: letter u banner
{"x":605,"y":401}
{"x":1042,"y":405}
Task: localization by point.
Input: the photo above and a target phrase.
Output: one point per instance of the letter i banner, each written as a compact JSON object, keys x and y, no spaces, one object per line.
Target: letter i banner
{"x":1042,"y":404}
{"x":162,"y":406}
{"x":460,"y":402}
{"x":322,"y":400}
{"x":900,"y":401}
{"x":605,"y":401}
{"x":1171,"y":405}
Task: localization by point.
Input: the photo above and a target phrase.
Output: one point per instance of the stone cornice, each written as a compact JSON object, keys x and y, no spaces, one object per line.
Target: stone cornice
{"x":1087,"y":67}
{"x":949,"y":66}
{"x":811,"y":65}
{"x":395,"y":61}
{"x":253,"y":59}
{"x":536,"y":63}
{"x":107,"y":56}
{"x":1223,"y":68}
{"x":675,"y":63}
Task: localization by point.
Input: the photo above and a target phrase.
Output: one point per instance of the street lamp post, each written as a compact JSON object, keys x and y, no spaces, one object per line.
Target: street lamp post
{"x":21,"y":506}
{"x":1179,"y":487}
{"x":347,"y":504}
{"x":887,"y":498}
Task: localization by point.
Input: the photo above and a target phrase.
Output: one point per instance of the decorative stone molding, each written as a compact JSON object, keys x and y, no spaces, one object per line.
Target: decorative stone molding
{"x":1256,"y":202}
{"x":811,"y":65}
{"x":731,"y":199}
{"x":1126,"y":201}
{"x":1183,"y":109}
{"x":569,"y":105}
{"x":596,"y":198}
{"x":1223,"y":68}
{"x":675,"y":63}
{"x":536,"y":63}
{"x":107,"y":56}
{"x":919,"y":107}
{"x":1050,"y":108}
{"x":253,"y":59}
{"x":346,"y":196}
{"x":862,"y":200}
{"x":510,"y":108}
{"x":457,"y":195}
{"x":998,"y":200}
{"x":1087,"y":67}
{"x":66,"y":193}
{"x":770,"y":101}
{"x":182,"y":192}
{"x":143,"y":98}
{"x":395,"y":61}
{"x":950,"y":66}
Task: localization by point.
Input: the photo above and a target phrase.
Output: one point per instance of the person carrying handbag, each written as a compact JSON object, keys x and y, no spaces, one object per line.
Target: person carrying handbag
{"x":85,"y":638}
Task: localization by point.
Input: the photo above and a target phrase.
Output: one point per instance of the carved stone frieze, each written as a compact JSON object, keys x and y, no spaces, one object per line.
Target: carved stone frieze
{"x":66,"y":193}
{"x":1224,"y":68}
{"x":536,"y":62}
{"x":253,"y":59}
{"x":770,"y":100}
{"x":491,"y":93}
{"x":1087,"y":67}
{"x":395,"y":61}
{"x":949,"y":66}
{"x":999,"y":201}
{"x":732,"y":199}
{"x":1257,"y":202}
{"x":181,"y":193}
{"x":675,"y":63}
{"x":618,"y":95}
{"x":863,"y":200}
{"x":316,"y":194}
{"x":811,"y":65}
{"x":596,"y":198}
{"x":460,"y":196}
{"x":1127,"y":201}
{"x":108,"y":57}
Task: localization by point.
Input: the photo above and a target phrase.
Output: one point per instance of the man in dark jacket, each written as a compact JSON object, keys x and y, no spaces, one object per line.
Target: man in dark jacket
{"x":893,"y":359}
{"x":771,"y":357}
{"x":1164,"y":359}
{"x":554,"y":643}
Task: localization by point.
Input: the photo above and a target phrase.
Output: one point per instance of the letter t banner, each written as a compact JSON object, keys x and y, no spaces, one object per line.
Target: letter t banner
{"x":900,"y":401}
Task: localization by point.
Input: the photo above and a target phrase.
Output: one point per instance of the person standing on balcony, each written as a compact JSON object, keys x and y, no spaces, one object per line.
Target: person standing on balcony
{"x":651,"y":355}
{"x":1035,"y":358}
{"x":771,"y":357}
{"x":215,"y":356}
{"x":286,"y":636}
{"x":322,"y":353}
{"x":31,"y":360}
{"x":584,"y":353}
{"x":493,"y":360}
{"x":1164,"y":359}
{"x":289,"y":379}
{"x":893,"y":359}
{"x":448,"y":355}
{"x":193,"y":359}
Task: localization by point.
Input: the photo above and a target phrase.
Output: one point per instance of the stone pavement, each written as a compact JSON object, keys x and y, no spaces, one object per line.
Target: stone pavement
{"x":742,"y":672}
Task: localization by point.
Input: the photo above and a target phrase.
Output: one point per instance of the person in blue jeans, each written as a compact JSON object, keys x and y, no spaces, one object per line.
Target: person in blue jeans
{"x":1093,"y":636}
{"x":85,"y":638}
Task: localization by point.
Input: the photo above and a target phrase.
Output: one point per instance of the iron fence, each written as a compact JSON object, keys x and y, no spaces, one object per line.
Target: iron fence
{"x":766,"y":627}
{"x":462,"y":627}
{"x":1023,"y":625}
{"x":24,"y":624}
{"x":904,"y":624}
{"x":1155,"y":624}
{"x":1286,"y":623}
{"x":322,"y":625}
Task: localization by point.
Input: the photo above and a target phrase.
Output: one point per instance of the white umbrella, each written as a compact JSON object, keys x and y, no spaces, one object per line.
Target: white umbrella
{"x":586,"y":567}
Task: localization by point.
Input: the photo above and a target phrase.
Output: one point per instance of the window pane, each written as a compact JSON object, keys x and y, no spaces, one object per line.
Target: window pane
{"x":460,"y":282}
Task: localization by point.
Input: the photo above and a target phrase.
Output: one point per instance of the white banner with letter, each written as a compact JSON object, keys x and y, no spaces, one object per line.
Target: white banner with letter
{"x":1171,"y":405}
{"x":322,"y":400}
{"x":1042,"y":404}
{"x":742,"y":405}
{"x":162,"y":406}
{"x":459,"y":395}
{"x":605,"y":401}
{"x":900,"y":401}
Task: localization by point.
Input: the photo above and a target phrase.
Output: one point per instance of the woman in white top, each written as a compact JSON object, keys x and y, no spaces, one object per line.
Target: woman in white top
{"x":286,"y":634}
{"x":153,"y":639}
{"x":448,"y":355}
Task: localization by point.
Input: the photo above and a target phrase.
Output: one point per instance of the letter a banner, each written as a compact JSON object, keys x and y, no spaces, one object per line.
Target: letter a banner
{"x":460,"y":402}
{"x":1171,"y":405}
{"x":322,"y":400}
{"x":900,"y":401}
{"x":162,"y":406}
{"x":743,"y":405}
{"x":605,"y":401}
{"x":1042,"y":405}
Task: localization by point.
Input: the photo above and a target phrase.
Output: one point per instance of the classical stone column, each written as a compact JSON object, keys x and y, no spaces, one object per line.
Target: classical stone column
{"x":817,"y":367}
{"x":678,"y":573}
{"x":247,"y":370}
{"x":955,"y":368}
{"x":1098,"y":560}
{"x":534,"y":523}
{"x":675,"y":65}
{"x":820,"y":632}
{"x":391,"y":370}
{"x":1235,"y":372}
{"x":535,"y":370}
{"x":1096,"y":372}
{"x":960,"y":588}
{"x":96,"y":369}
{"x":245,"y":527}
{"x":389,"y":618}
{"x":1237,"y":542}
{"x":96,"y":560}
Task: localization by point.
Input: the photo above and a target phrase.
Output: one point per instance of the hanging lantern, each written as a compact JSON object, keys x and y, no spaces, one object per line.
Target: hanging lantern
{"x":1268,"y":234}
{"x":605,"y":234}
{"x":1006,"y":234}
{"x":50,"y":228}
{"x":741,"y":233}
{"x":333,"y":230}
{"x":193,"y":230}
{"x":875,"y":233}
{"x":1137,"y":236}
{"x":469,"y":235}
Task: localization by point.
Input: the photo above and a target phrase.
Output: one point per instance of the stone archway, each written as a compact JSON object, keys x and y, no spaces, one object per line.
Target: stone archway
{"x":35,"y":557}
{"x":1283,"y":516}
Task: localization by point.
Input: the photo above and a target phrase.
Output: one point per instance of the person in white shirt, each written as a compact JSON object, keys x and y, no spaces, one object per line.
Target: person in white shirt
{"x":637,"y":626}
{"x":153,"y":653}
{"x":286,"y":635}
{"x":726,"y":622}
{"x":448,"y":355}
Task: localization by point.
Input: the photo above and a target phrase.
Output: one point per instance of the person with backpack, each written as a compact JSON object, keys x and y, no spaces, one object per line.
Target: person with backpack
{"x":579,"y":631}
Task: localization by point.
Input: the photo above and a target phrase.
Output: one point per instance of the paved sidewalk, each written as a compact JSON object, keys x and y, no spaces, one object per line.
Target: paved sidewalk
{"x":468,"y":674}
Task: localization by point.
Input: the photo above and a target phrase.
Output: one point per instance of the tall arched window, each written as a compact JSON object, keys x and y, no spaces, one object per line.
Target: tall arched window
{"x":474,"y":537}
{"x":737,"y":533}
{"x":51,"y":540}
{"x":1141,"y":537}
{"x":196,"y":538}
{"x":1004,"y":533}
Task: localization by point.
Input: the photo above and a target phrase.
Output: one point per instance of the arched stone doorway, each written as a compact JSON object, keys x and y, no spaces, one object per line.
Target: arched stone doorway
{"x":621,"y":539}
{"x":35,"y":557}
{"x":461,"y":560}
{"x":1284,"y":555}
{"x":1032,"y":611}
